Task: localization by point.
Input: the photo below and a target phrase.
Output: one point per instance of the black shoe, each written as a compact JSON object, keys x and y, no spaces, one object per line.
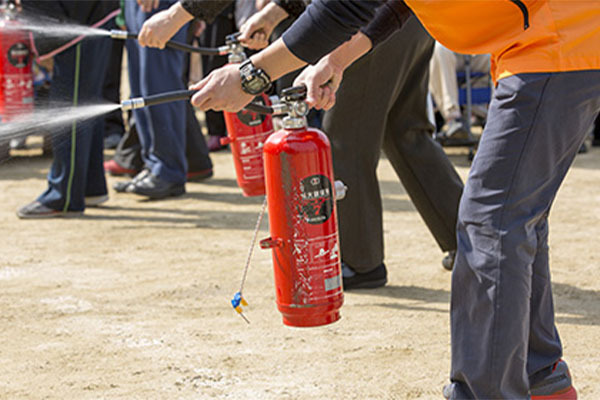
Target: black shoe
{"x":127,"y":186}
{"x":448,"y":260}
{"x":368,"y":280}
{"x":155,"y":188}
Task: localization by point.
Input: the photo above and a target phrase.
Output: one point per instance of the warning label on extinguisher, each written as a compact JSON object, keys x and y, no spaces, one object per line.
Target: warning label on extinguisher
{"x":316,"y":203}
{"x":251,"y":118}
{"x":18,"y":55}
{"x":250,"y":155}
{"x":317,"y":265}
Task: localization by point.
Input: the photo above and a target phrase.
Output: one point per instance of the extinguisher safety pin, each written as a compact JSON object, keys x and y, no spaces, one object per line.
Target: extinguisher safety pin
{"x":238,"y":300}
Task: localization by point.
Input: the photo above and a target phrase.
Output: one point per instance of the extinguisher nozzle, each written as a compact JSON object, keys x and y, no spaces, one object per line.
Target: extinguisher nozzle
{"x":123,"y":35}
{"x":132,"y":104}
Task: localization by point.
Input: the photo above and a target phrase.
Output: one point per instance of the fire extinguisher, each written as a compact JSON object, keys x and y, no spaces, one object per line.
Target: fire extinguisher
{"x":247,"y":132}
{"x":16,"y":77}
{"x":301,"y":194}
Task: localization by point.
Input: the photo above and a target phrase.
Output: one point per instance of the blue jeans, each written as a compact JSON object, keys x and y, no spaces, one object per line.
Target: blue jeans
{"x":161,"y":128}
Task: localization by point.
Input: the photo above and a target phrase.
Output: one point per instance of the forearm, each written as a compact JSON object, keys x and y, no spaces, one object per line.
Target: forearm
{"x":274,"y":13}
{"x":350,"y":51}
{"x":277,"y":60}
{"x":178,"y":16}
{"x":325,"y":25}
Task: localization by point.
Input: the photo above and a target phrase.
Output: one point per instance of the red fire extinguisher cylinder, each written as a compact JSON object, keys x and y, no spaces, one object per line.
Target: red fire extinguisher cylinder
{"x":16,"y":76}
{"x":302,"y":219}
{"x":247,"y":132}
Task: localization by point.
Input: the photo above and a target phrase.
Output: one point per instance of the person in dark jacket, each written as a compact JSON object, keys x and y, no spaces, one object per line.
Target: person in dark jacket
{"x":505,"y":344}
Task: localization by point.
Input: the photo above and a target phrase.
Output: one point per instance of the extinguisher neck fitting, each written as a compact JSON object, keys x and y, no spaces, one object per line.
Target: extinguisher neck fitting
{"x":296,"y":118}
{"x":290,"y":122}
{"x":233,"y":48}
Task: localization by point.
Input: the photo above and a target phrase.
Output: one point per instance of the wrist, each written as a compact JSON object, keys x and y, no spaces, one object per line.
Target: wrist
{"x":350,"y":51}
{"x":274,"y":14}
{"x":179,"y":15}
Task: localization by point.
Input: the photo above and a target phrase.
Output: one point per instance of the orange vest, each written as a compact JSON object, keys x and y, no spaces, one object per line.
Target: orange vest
{"x":521,"y":35}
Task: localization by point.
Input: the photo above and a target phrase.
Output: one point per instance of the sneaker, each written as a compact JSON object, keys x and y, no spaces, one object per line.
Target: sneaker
{"x":115,"y":169}
{"x":199,"y":175}
{"x":456,"y":130}
{"x":95,"y":201}
{"x":368,"y":280}
{"x":448,"y":260}
{"x":36,"y":210}
{"x":556,"y":385}
{"x":126,"y":186}
{"x":455,"y":134}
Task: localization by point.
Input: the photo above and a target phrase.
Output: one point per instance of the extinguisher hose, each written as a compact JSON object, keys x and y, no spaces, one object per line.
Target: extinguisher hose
{"x":207,"y":51}
{"x":140,"y":102}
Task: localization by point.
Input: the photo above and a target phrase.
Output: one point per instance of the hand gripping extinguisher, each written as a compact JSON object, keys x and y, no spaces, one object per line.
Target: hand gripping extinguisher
{"x":247,"y":132}
{"x":16,"y":77}
{"x":302,"y":218}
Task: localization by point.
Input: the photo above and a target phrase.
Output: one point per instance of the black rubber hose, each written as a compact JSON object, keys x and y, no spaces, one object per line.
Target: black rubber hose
{"x":187,"y":94}
{"x":168,"y":97}
{"x":207,"y":51}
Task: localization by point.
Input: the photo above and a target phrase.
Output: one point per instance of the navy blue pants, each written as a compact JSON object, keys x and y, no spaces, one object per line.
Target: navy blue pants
{"x":161,"y":128}
{"x":502,"y":316}
{"x":69,"y":183}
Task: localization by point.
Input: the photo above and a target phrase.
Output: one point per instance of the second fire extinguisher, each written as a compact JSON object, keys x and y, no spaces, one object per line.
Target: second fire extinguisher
{"x":247,"y":132}
{"x":16,"y":77}
{"x":302,"y":218}
{"x":16,"y":86}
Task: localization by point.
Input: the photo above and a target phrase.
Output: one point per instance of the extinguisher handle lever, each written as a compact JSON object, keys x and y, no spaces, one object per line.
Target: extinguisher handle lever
{"x":259,"y":108}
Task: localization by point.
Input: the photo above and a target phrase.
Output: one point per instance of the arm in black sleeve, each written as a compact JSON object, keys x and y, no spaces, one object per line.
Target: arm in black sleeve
{"x":325,"y":25}
{"x":293,"y":7}
{"x":389,"y":18}
{"x":206,"y":10}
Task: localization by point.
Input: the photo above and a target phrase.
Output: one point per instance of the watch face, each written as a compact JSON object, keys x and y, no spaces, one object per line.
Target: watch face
{"x":257,"y":84}
{"x":254,"y":81}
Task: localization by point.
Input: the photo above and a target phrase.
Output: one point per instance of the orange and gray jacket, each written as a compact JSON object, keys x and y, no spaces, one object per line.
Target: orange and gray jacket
{"x":522,"y":35}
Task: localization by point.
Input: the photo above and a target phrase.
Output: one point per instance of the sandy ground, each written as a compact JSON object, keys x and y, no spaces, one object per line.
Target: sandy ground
{"x":132,"y":300}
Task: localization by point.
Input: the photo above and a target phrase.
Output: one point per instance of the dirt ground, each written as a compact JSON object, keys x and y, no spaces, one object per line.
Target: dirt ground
{"x":131,"y":301}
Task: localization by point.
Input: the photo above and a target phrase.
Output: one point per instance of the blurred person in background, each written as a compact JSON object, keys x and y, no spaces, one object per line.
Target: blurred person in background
{"x":76,"y":178}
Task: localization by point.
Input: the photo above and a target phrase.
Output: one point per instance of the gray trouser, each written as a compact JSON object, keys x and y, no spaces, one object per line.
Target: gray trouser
{"x":382,"y":104}
{"x":502,"y":316}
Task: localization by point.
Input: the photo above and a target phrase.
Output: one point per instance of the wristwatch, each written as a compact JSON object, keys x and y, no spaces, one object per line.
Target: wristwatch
{"x":254,"y":80}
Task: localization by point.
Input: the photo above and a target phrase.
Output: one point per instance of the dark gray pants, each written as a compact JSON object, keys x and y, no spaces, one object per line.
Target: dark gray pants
{"x":502,"y":316}
{"x":382,"y":104}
